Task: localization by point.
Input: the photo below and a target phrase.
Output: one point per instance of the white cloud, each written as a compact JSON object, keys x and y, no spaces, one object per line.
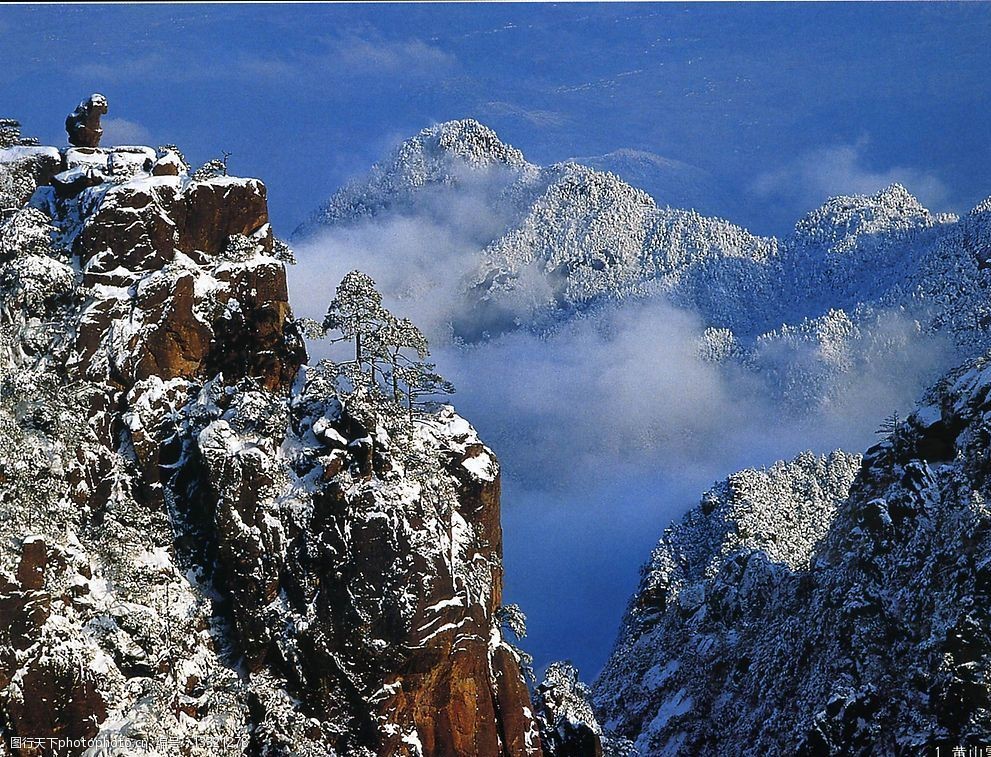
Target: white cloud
{"x":132,"y":67}
{"x":418,"y":258}
{"x":842,"y":169}
{"x":623,"y":389}
{"x":349,"y":56}
{"x":533,"y":116}
{"x":334,"y":58}
{"x":368,"y":53}
{"x":121,"y":131}
{"x":611,"y":426}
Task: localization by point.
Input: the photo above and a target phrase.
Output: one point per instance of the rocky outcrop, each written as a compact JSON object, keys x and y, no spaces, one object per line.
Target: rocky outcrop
{"x":195,"y":309}
{"x":823,"y":606}
{"x":205,"y":543}
{"x":568,"y":725}
{"x":22,"y":170}
{"x":83,"y":124}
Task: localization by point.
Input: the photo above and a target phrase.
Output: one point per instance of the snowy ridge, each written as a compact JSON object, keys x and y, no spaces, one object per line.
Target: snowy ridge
{"x":438,"y":155}
{"x":590,"y":236}
{"x":847,"y":618}
{"x":575,"y":239}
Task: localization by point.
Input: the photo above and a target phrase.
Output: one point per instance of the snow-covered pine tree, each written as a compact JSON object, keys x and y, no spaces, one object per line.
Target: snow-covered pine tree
{"x":10,"y":134}
{"x":357,"y":313}
{"x":400,"y":344}
{"x":387,"y":349}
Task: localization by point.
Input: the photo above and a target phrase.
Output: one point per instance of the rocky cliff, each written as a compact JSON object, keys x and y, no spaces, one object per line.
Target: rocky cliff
{"x":823,"y":606}
{"x":204,"y":548}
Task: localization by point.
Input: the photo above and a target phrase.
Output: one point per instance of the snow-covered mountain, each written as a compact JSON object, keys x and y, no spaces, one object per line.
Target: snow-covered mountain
{"x":570,"y":238}
{"x":828,"y":604}
{"x":672,"y":183}
{"x":823,"y":606}
{"x":447,"y":155}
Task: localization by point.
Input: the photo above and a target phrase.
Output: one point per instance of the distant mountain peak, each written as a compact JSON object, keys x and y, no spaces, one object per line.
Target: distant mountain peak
{"x":630,"y":155}
{"x":470,"y":140}
{"x":840,"y":221}
{"x":670,"y":182}
{"x":446,"y":153}
{"x":982,"y":207}
{"x":893,"y":200}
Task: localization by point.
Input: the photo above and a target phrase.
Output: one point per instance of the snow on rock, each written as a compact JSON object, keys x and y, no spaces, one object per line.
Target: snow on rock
{"x":825,"y":605}
{"x":22,"y":152}
{"x":200,"y":544}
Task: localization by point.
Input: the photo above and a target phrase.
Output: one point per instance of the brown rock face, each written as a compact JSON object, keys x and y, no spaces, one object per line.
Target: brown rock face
{"x":459,"y":693}
{"x":58,"y":703}
{"x":34,"y":557}
{"x":239,"y":325}
{"x":215,"y":209}
{"x":177,"y":341}
{"x":140,"y":226}
{"x":134,"y":228}
{"x":55,"y":697}
{"x":399,"y":592}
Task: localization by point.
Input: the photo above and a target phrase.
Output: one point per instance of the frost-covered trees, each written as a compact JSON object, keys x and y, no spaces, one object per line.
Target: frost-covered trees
{"x":240,"y":248}
{"x":512,"y":618}
{"x":10,"y":134}
{"x":356,"y":312}
{"x":17,"y":175}
{"x":36,"y":285}
{"x":210,"y":170}
{"x":562,"y":704}
{"x":390,"y":353}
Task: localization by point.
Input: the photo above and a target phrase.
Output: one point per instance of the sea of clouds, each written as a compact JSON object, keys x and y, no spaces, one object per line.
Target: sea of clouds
{"x":612,"y":424}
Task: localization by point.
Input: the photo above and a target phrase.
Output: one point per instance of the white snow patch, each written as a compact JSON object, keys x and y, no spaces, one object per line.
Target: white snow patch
{"x":156,"y":559}
{"x":413,"y":740}
{"x":657,"y":676}
{"x":481,"y":466}
{"x":452,"y":602}
{"x":928,"y":416}
{"x":86,"y":156}
{"x":676,"y":705}
{"x":20,"y":152}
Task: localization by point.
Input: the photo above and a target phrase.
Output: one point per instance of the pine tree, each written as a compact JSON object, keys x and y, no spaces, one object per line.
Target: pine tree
{"x":390,"y":353}
{"x":10,"y":134}
{"x":421,"y":380}
{"x":389,"y":342}
{"x":357,"y":313}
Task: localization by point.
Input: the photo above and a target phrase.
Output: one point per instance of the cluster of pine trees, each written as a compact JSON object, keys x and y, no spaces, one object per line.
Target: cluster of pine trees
{"x":391,"y":358}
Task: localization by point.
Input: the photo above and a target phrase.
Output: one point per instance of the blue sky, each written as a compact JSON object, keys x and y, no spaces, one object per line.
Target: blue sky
{"x":776,"y":106}
{"x":780,"y":104}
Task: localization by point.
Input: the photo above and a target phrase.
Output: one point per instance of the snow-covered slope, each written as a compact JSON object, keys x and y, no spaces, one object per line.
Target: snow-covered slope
{"x":446,"y":155}
{"x":821,"y":607}
{"x":590,"y":237}
{"x":672,"y":183}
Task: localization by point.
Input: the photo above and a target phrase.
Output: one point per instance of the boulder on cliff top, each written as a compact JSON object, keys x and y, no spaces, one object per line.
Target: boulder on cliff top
{"x":83,"y":124}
